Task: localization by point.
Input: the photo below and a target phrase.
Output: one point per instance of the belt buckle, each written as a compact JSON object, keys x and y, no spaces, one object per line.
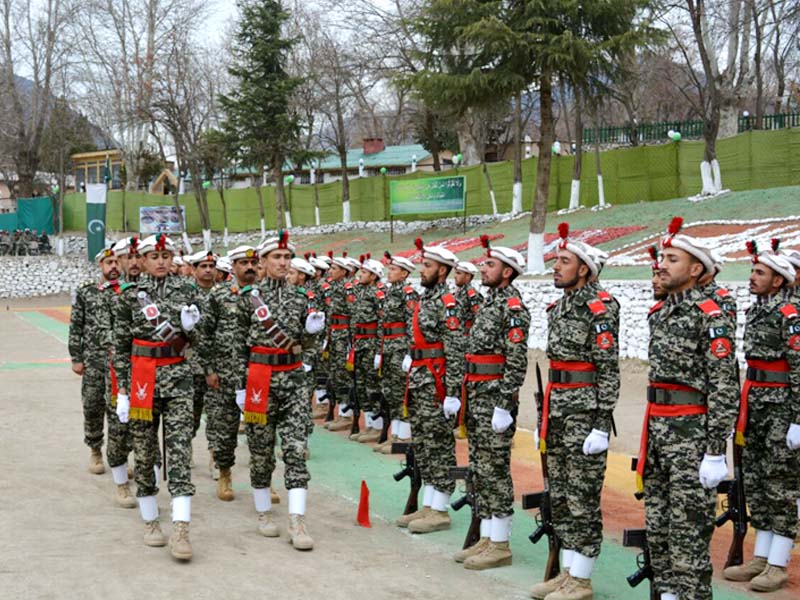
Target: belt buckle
{"x":166,"y":332}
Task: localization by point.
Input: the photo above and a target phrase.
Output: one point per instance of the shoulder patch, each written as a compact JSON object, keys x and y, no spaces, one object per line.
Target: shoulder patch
{"x":722,"y":293}
{"x":471,"y":292}
{"x":449,"y":300}
{"x":604,"y":296}
{"x":710,"y":307}
{"x":656,"y":307}
{"x":514,"y":303}
{"x":247,"y":288}
{"x":310,"y":294}
{"x":789,"y":311}
{"x":326,"y":286}
{"x":409,"y":289}
{"x":597,"y":307}
{"x":348,"y":285}
{"x":380,"y":294}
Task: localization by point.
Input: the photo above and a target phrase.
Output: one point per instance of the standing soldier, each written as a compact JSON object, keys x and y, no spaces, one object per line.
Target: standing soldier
{"x":435,"y":369}
{"x":398,"y":308}
{"x":767,"y":427}
{"x":582,"y":390}
{"x":321,"y":288}
{"x":710,"y":287}
{"x":218,"y":346}
{"x":224,"y":270}
{"x":793,"y":295}
{"x":692,"y":398}
{"x":88,"y":354}
{"x":127,"y":251}
{"x":468,"y":298}
{"x":339,"y":300}
{"x":155,"y":319}
{"x":272,"y":392}
{"x":659,"y":293}
{"x":496,"y":362}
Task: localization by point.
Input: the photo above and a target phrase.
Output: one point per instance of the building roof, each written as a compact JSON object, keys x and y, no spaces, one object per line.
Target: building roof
{"x":391,"y":156}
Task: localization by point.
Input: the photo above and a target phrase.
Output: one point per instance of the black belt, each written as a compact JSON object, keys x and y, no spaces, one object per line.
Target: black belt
{"x":274,"y":360}
{"x":762,"y":376}
{"x":662,"y":396}
{"x":481,"y":369}
{"x":154,"y":352}
{"x":559,"y":376}
{"x":423,"y":354}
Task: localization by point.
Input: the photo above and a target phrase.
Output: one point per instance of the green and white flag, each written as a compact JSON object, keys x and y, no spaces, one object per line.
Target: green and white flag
{"x":95,"y":218}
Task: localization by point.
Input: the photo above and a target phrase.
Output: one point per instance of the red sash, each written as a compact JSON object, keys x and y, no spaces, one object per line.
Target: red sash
{"x":259,"y":376}
{"x":143,"y":379}
{"x":477,"y":359}
{"x":437,"y":366}
{"x":558,"y":365}
{"x":775,"y":366}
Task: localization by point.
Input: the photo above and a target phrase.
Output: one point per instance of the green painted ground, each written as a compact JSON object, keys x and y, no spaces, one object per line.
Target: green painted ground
{"x":46,"y":324}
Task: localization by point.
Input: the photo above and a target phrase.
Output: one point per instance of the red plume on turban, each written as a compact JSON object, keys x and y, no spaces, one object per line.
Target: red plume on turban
{"x":752,"y":249}
{"x":675,"y":225}
{"x":563,"y":233}
{"x":776,"y":243}
{"x":418,"y":243}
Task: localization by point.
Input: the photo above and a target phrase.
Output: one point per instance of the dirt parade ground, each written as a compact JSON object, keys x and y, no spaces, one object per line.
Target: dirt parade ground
{"x":64,"y":537}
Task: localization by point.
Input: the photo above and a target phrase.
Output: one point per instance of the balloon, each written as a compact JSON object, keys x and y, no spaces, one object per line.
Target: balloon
{"x":458,"y":158}
{"x":383,"y":170}
{"x":56,"y":189}
{"x":670,"y":133}
{"x":289,"y":178}
{"x":206,"y":185}
{"x":676,"y":137}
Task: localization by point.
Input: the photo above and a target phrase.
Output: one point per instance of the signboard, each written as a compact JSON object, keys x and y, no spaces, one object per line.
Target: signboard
{"x":432,"y":195}
{"x":161,"y":219}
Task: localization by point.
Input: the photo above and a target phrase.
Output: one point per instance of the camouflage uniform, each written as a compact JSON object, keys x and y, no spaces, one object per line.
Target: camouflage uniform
{"x":198,"y":372}
{"x":582,"y":328}
{"x":364,"y":323}
{"x":287,"y":410}
{"x":119,"y":443}
{"x":172,"y":399}
{"x":469,"y":300}
{"x":398,"y":307}
{"x":770,"y":469}
{"x":311,"y":346}
{"x":340,"y":301}
{"x":500,"y":329}
{"x":321,"y":290}
{"x":437,"y":316}
{"x":691,"y":344}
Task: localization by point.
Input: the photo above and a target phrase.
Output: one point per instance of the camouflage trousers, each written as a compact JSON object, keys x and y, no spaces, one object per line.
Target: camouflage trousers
{"x":393,"y":380}
{"x":679,"y":512}
{"x":340,"y":377}
{"x":198,"y":402}
{"x":489,"y":458}
{"x":368,"y":385}
{"x":770,"y":468}
{"x":576,"y":481}
{"x":222,"y":425}
{"x":93,"y":395}
{"x":287,"y":416}
{"x":434,"y":444}
{"x":176,"y":414}
{"x":119,"y":443}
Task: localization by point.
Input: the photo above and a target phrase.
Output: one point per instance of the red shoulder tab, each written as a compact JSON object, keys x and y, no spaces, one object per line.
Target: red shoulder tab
{"x":514,"y":303}
{"x":550,"y":306}
{"x":310,"y":294}
{"x":789,"y":311}
{"x":380,"y":285}
{"x":597,"y":307}
{"x":471,"y":292}
{"x":348,"y":285}
{"x":710,"y":307}
{"x":722,"y":293}
{"x":656,"y":307}
{"x":604,"y":296}
{"x":380,"y":294}
{"x":326,"y":286}
{"x":408,"y":289}
{"x":449,"y":300}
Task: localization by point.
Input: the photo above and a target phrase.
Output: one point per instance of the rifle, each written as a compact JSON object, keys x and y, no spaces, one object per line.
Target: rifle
{"x":634,"y":466}
{"x":541,"y":501}
{"x":637,"y":538}
{"x":471,"y":498}
{"x":736,"y":509}
{"x":410,"y":470}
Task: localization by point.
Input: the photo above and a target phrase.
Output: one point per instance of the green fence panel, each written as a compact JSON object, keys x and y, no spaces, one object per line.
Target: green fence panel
{"x":793,"y":166}
{"x":35,"y":213}
{"x":771,"y":158}
{"x":735,"y":157}
{"x":690,"y":155}
{"x":9,"y":222}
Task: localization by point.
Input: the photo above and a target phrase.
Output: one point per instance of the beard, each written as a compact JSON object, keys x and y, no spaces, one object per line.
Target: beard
{"x":428,"y":282}
{"x":566,"y":284}
{"x":674,"y":283}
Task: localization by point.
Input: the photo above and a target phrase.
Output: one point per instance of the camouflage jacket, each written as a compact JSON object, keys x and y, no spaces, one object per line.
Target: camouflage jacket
{"x":90,"y":323}
{"x":398,"y":307}
{"x":652,"y":315}
{"x":583,"y":326}
{"x":501,"y":327}
{"x":724,"y":300}
{"x":169,"y":294}
{"x":338,"y":303}
{"x":367,"y":309}
{"x":773,"y":333}
{"x":439,"y":321}
{"x":692,"y":344}
{"x":219,"y":346}
{"x":193,"y":353}
{"x":312,"y":343}
{"x":469,"y":301}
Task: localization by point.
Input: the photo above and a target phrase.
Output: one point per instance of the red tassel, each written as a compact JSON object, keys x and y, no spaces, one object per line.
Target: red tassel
{"x":752,"y":248}
{"x":330,"y":254}
{"x":776,"y":243}
{"x":653,"y":251}
{"x":563,"y":230}
{"x":485,"y":241}
{"x":368,"y":255}
{"x":675,"y":225}
{"x":344,"y":254}
{"x":363,"y":507}
{"x":307,"y":255}
{"x":418,"y":243}
{"x":387,"y":255}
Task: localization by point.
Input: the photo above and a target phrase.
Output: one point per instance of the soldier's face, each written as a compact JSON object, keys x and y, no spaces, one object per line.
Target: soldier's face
{"x":158,"y":263}
{"x":569,"y":271}
{"x":186,"y":270}
{"x":430,"y":273}
{"x":462,"y":278}
{"x":659,"y":293}
{"x":764,"y":281}
{"x":205,"y":272}
{"x":336,"y":272}
{"x":796,"y":278}
{"x":277,"y":263}
{"x":365,"y":277}
{"x":132,"y":264}
{"x":395,"y":274}
{"x":109,"y":267}
{"x":245,"y":270}
{"x":218,"y":275}
{"x":494,"y":272}
{"x":174,"y":268}
{"x":679,"y":270}
{"x":295,"y":277}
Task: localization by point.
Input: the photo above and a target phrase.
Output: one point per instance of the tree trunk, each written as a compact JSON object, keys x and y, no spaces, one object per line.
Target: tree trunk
{"x":491,"y":189}
{"x":260,"y":197}
{"x":281,"y":212}
{"x":757,"y":63}
{"x":467,"y":142}
{"x":345,"y":185}
{"x":221,"y":190}
{"x":177,"y":204}
{"x":562,"y":96}
{"x":575,"y":191}
{"x":601,"y":193}
{"x":516,"y":194}
{"x":539,"y":212}
{"x":433,"y":141}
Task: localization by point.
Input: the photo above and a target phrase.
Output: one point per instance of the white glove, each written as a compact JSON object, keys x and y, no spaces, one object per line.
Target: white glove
{"x":324,"y":344}
{"x":536,"y":439}
{"x":596,"y":442}
{"x":501,"y":420}
{"x":712,"y":470}
{"x":315,"y":322}
{"x":407,"y":363}
{"x":240,"y":395}
{"x":306,"y":367}
{"x":123,"y":407}
{"x":377,"y":362}
{"x":451,"y":406}
{"x":793,"y":437}
{"x":190,"y":316}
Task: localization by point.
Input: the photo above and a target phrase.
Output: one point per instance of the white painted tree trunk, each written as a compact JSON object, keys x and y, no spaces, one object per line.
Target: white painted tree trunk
{"x":516,"y":198}
{"x":708,"y":179}
{"x":287,"y":217}
{"x":316,"y":215}
{"x":536,"y":253}
{"x":263,"y":229}
{"x":717,"y":175}
{"x":600,"y":191}
{"x":60,"y":246}
{"x":206,"y":239}
{"x":575,"y":194}
{"x":494,"y":202}
{"x":346,"y":212}
{"x":225,"y":239}
{"x":186,"y":242}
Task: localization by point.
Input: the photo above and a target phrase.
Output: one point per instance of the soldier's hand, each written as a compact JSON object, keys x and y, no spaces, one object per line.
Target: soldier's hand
{"x":315,"y":322}
{"x":240,"y":395}
{"x":793,"y":437}
{"x":451,"y":406}
{"x":77,"y":368}
{"x":712,"y":470}
{"x":212,"y":381}
{"x":407,"y":363}
{"x":377,"y":361}
{"x":190,"y":316}
{"x":501,"y":420}
{"x":123,"y":407}
{"x":596,"y":442}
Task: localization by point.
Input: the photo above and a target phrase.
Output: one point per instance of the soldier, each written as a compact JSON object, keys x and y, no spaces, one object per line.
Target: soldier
{"x":767,"y":428}
{"x":320,"y":287}
{"x":155,"y":319}
{"x":224,"y":270}
{"x":468,"y":298}
{"x":435,"y":368}
{"x":273,"y":393}
{"x":398,"y":309}
{"x":127,"y":251}
{"x":582,"y":391}
{"x":497,"y":359}
{"x":88,"y":354}
{"x":218,"y":345}
{"x":659,"y":293}
{"x":186,"y":268}
{"x":339,"y":299}
{"x":793,"y":294}
{"x":709,"y":286}
{"x":692,"y":398}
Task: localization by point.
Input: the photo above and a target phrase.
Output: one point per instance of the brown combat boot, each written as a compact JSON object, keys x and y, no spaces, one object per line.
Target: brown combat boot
{"x":771,"y":579}
{"x":746,"y":572}
{"x":540,"y":590}
{"x":320,"y":411}
{"x":494,"y":554}
{"x":179,"y":544}
{"x":266,"y":524}
{"x":96,"y":466}
{"x":476,"y":548}
{"x":389,"y":441}
{"x":124,"y":497}
{"x":573,"y":588}
{"x":341,"y":424}
{"x":388,"y":448}
{"x":224,"y":486}
{"x":369,"y":436}
{"x":435,"y":520}
{"x":298,"y":535}
{"x":406,"y":519}
{"x":273,"y":497}
{"x":153,"y":536}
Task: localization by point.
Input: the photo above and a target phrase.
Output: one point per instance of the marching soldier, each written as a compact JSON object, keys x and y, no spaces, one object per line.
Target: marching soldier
{"x":339,"y":299}
{"x":127,"y":251}
{"x":273,"y":392}
{"x":468,"y":298}
{"x":224,"y":270}
{"x":321,"y":288}
{"x":218,"y":344}
{"x":496,"y":362}
{"x":156,"y":317}
{"x":398,"y":308}
{"x":582,"y":391}
{"x":435,"y":369}
{"x":692,"y":399}
{"x":767,"y":426}
{"x":89,"y":356}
